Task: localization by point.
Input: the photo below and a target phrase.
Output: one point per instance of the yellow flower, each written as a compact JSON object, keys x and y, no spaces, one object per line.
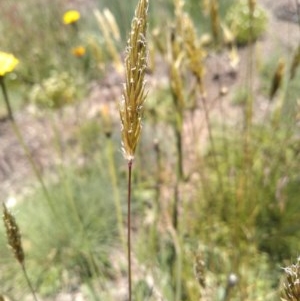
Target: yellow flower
{"x":7,"y":63}
{"x":78,"y":51}
{"x":71,"y":16}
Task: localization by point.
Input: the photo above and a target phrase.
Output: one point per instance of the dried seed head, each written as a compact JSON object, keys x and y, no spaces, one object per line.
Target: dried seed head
{"x":228,"y":35}
{"x":251,"y":4}
{"x":176,"y":60}
{"x":110,"y":32}
{"x":277,"y":78}
{"x":295,"y":63}
{"x":111,"y":22}
{"x":214,"y":19}
{"x":205,"y":6}
{"x":194,"y":51}
{"x":291,"y":286}
{"x":13,"y":235}
{"x":177,"y":85}
{"x":131,"y":105}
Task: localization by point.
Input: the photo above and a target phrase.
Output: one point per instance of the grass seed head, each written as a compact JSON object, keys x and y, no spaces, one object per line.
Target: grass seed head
{"x":13,"y":235}
{"x":111,"y":35}
{"x":251,"y":4}
{"x":277,"y":78}
{"x":195,"y":52}
{"x":112,"y":23}
{"x":295,"y":63}
{"x":291,"y":286}
{"x":134,"y":95}
{"x":215,"y":19}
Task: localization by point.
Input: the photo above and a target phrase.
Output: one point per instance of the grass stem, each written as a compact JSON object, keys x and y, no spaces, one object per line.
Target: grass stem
{"x":128,"y":229}
{"x":115,"y":186}
{"x":29,"y":282}
{"x":23,"y":144}
{"x":212,"y":142}
{"x":6,"y":99}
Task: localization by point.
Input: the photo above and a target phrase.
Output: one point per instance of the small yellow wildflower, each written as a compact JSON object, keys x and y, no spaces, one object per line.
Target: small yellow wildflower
{"x":7,"y":63}
{"x":78,"y":51}
{"x":71,"y":16}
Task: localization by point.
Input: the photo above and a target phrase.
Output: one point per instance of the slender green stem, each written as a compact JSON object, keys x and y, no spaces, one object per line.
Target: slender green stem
{"x":64,"y":177}
{"x":212,"y":142}
{"x":247,"y":176}
{"x":178,"y":292}
{"x":65,"y":181}
{"x":22,"y":142}
{"x":178,"y":260}
{"x":158,"y":174}
{"x":178,"y":136}
{"x":32,"y":163}
{"x":114,"y":179}
{"x":128,"y":229}
{"x":7,"y":103}
{"x":28,"y":282}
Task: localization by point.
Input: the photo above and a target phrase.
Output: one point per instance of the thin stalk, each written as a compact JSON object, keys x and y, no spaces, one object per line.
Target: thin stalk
{"x":153,"y":240}
{"x":219,"y":100}
{"x":29,"y":282}
{"x":158,"y":177}
{"x":175,"y":207}
{"x":178,"y":293}
{"x":23,"y":144}
{"x":176,"y":263}
{"x":212,"y":142}
{"x":178,"y":136}
{"x":249,"y":104}
{"x":248,"y":153}
{"x":65,"y":180}
{"x":114,"y":179}
{"x":128,"y":229}
{"x":6,"y":99}
{"x":178,"y":260}
{"x":64,"y":177}
{"x":177,"y":125}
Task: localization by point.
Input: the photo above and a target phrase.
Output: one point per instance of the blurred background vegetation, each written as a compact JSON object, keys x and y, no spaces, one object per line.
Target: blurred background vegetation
{"x":216,"y":178}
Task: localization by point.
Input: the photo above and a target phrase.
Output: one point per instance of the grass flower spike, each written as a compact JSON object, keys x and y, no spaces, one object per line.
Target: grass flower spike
{"x":13,"y":235}
{"x":71,"y":16}
{"x":131,"y":106}
{"x":15,"y":242}
{"x":291,"y":286}
{"x":7,"y":63}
